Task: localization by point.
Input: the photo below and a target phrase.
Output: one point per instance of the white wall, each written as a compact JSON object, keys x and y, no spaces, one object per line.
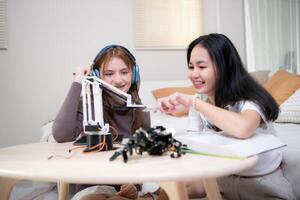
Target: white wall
{"x":48,"y":39}
{"x":231,"y":23}
{"x":227,"y":17}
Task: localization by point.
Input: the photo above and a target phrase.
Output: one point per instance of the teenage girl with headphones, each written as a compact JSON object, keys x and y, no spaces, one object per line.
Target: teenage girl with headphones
{"x":117,"y":66}
{"x":230,"y":100}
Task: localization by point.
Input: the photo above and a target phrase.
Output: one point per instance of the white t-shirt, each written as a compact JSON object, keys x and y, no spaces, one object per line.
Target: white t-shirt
{"x":268,"y":161}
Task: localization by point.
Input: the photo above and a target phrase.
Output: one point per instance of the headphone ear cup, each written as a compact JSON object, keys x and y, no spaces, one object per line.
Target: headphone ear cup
{"x":95,"y":72}
{"x":135,"y":74}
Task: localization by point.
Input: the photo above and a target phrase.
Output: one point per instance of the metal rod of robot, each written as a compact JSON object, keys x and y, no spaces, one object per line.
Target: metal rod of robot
{"x":93,"y":119}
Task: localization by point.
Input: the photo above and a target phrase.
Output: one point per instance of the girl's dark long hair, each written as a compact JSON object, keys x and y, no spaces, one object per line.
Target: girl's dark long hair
{"x":233,"y":82}
{"x":109,"y":103}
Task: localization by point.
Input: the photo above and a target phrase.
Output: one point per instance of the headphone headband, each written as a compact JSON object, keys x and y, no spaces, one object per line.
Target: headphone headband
{"x":135,"y":69}
{"x":104,"y":49}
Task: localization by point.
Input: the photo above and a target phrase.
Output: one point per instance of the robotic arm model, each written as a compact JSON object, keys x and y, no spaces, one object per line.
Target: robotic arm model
{"x":98,"y":134}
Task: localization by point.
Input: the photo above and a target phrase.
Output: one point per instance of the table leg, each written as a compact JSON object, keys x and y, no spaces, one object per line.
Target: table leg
{"x":175,"y":190}
{"x":212,"y":189}
{"x":6,"y":185}
{"x":63,"y":190}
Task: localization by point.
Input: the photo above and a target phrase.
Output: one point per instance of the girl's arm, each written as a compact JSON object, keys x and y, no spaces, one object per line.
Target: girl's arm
{"x":68,"y":122}
{"x":241,"y":125}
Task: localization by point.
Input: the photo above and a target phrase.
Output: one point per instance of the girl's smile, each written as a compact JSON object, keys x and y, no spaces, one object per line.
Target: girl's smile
{"x":198,"y":84}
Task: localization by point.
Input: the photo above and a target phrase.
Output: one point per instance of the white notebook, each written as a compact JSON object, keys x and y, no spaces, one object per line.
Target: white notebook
{"x":212,"y":144}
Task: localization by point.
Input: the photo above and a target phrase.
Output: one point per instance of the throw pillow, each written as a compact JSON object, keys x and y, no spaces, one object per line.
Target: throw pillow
{"x":163,"y":92}
{"x":282,"y":85}
{"x":290,"y":109}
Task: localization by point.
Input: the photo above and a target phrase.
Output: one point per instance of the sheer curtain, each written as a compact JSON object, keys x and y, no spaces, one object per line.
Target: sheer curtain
{"x":273,"y":35}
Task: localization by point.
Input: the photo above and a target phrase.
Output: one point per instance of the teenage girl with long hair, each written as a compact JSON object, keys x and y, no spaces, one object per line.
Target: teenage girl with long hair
{"x":229,"y":100}
{"x":117,"y":66}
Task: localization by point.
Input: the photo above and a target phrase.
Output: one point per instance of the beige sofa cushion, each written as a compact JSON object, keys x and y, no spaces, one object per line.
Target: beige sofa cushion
{"x":282,"y":85}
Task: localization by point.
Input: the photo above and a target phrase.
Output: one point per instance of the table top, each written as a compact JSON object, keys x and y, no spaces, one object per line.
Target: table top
{"x":30,"y":161}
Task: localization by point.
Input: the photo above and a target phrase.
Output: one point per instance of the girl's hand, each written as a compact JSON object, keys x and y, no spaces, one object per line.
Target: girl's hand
{"x":82,"y":71}
{"x":129,"y":191}
{"x":175,"y":102}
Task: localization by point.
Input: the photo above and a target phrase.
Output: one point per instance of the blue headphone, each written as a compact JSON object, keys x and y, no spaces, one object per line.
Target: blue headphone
{"x":135,"y":68}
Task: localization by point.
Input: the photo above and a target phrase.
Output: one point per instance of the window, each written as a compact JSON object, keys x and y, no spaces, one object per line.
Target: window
{"x":166,"y":24}
{"x":273,"y":34}
{"x":3,"y":25}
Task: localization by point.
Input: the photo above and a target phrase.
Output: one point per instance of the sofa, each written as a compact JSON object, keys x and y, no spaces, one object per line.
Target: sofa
{"x":282,"y":85}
